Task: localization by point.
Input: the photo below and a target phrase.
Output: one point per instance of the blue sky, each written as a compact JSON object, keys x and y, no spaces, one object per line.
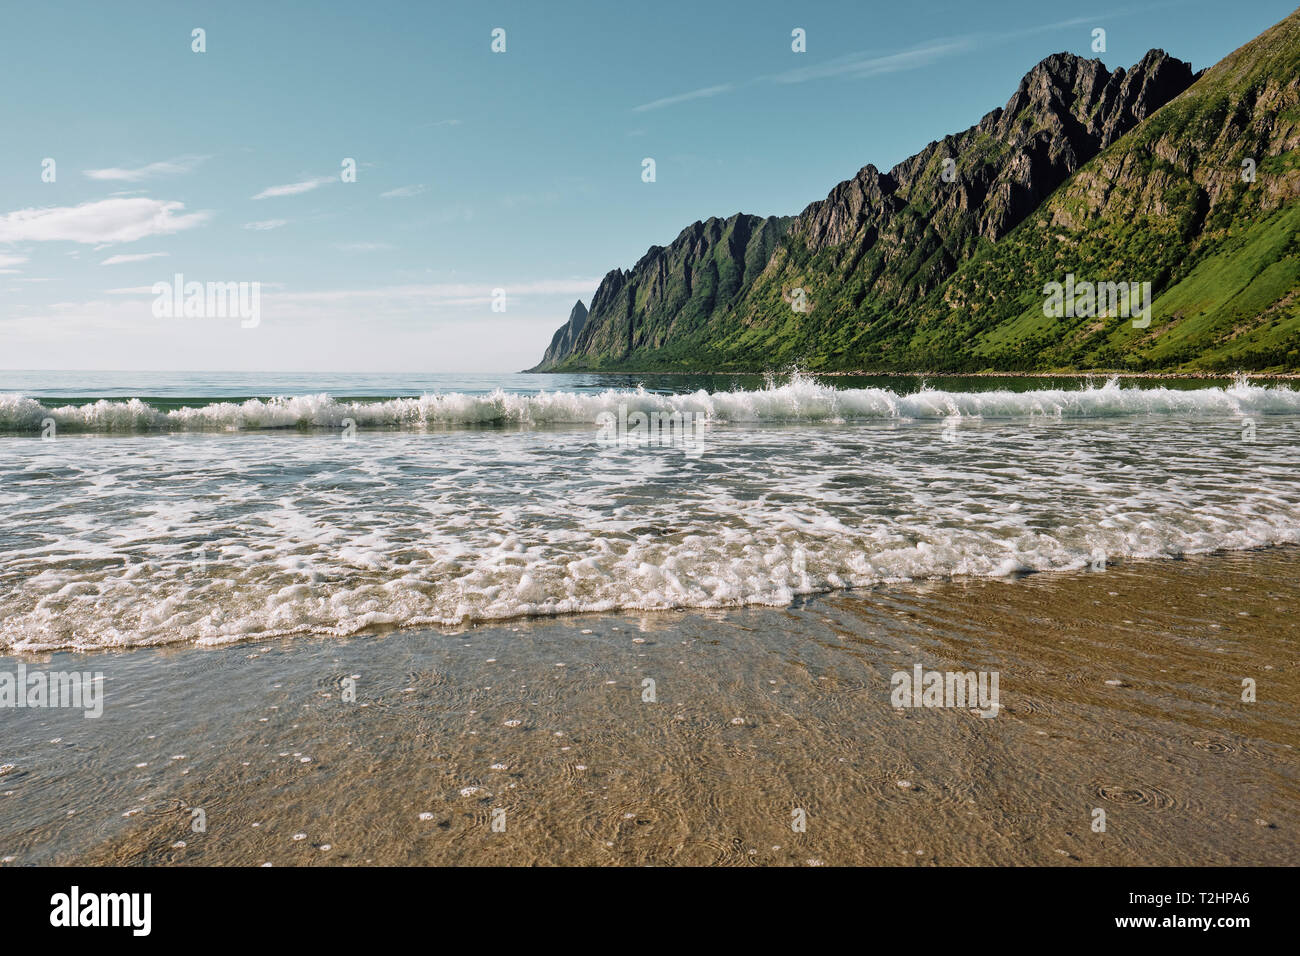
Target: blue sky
{"x":476,"y":170}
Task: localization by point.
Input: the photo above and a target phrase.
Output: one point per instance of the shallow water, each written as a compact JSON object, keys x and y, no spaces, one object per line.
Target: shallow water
{"x":174,"y":389}
{"x":497,"y":580}
{"x":207,"y":537}
{"x":1120,"y":691}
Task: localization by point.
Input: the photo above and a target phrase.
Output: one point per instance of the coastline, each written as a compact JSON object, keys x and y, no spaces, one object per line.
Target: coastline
{"x":1120,"y":690}
{"x":1172,"y":376}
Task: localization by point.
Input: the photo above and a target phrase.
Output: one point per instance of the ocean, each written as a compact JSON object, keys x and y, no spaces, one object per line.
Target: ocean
{"x":214,"y":508}
{"x":655,"y":620}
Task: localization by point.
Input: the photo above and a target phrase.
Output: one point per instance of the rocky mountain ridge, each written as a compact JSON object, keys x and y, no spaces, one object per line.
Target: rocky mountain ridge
{"x":938,"y":264}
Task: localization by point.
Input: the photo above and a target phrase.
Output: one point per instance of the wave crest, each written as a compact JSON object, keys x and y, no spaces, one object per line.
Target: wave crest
{"x":803,"y":399}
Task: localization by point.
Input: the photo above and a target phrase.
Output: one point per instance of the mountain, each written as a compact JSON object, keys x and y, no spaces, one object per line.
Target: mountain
{"x":566,"y":336}
{"x":941,"y":263}
{"x":673,"y":293}
{"x":1168,"y":203}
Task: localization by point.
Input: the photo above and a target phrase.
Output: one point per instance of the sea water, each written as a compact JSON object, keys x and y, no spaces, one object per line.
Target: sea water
{"x":151,"y":508}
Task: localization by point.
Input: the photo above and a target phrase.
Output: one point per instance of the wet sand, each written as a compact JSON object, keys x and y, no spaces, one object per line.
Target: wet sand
{"x":1120,"y":690}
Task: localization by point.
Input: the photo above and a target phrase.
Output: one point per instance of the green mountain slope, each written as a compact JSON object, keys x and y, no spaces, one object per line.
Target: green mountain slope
{"x":941,"y":263}
{"x":674,"y":293}
{"x":1166,"y":204}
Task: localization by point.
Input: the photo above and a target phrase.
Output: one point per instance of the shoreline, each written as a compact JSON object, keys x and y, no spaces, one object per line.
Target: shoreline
{"x":25,"y":655}
{"x":1172,"y":376}
{"x":1120,"y":691}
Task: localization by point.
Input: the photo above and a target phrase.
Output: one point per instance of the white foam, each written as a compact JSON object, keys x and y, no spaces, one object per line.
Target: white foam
{"x":214,"y":539}
{"x":803,"y":399}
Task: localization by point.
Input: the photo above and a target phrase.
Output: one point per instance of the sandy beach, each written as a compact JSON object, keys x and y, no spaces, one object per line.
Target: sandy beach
{"x":767,"y":737}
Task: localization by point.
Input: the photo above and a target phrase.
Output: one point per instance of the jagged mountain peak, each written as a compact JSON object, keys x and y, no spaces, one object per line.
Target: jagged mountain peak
{"x":883,"y":270}
{"x":896,"y":234}
{"x":565,"y":336}
{"x":983,"y":181}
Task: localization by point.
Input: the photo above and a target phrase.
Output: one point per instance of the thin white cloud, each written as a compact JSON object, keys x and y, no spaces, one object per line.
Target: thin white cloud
{"x":105,"y":221}
{"x":453,"y":214}
{"x":858,"y":66}
{"x":362,"y":246}
{"x":1073,"y":22}
{"x":403,"y":192}
{"x":135,"y":257}
{"x":523,"y":200}
{"x":700,"y":94}
{"x":449,"y":293}
{"x":294,"y":189}
{"x":171,"y":167}
{"x":6,"y":261}
{"x":866,"y":64}
{"x":138,"y":290}
{"x":266,"y":224}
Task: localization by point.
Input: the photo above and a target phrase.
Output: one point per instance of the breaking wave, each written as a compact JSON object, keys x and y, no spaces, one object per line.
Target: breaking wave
{"x":801,"y":400}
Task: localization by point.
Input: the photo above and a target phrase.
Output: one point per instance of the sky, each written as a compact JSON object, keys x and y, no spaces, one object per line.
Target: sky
{"x":475,"y":170}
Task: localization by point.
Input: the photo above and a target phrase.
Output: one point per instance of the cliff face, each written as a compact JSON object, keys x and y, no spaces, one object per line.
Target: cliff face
{"x":564,"y":339}
{"x":882,"y":241}
{"x":1202,"y":200}
{"x":1065,"y":110}
{"x":939,"y":263}
{"x":673,"y":292}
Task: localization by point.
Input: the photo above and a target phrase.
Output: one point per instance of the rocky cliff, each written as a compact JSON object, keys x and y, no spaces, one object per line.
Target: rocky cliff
{"x":1202,"y":200}
{"x":674,"y":292}
{"x":566,"y":336}
{"x":940,"y":262}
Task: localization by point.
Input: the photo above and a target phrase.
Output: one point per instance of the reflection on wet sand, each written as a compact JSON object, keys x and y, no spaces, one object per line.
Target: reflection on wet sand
{"x":750,"y":736}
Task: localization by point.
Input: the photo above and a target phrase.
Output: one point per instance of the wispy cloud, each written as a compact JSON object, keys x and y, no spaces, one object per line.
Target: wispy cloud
{"x":7,"y":261}
{"x":700,"y":94}
{"x":294,"y":189}
{"x":1072,"y":22}
{"x":171,"y":167}
{"x":402,"y":192}
{"x":865,"y":64}
{"x":266,"y":224}
{"x":449,"y":293}
{"x":860,"y":66}
{"x":137,"y":257}
{"x":401,"y":304}
{"x":105,"y":221}
{"x":548,"y":197}
{"x":362,"y":246}
{"x":139,"y":290}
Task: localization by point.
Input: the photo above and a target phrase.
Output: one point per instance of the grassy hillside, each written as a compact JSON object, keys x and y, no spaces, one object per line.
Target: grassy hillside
{"x":1124,"y":176}
{"x":1167,"y":204}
